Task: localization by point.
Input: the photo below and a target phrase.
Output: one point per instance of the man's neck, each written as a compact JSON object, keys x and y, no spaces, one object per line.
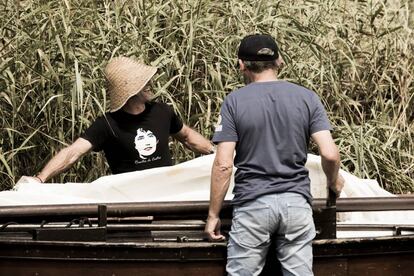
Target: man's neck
{"x":267,"y":75}
{"x":134,"y":109}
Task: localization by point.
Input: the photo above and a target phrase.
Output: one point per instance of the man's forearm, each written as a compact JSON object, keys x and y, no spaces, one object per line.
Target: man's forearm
{"x":331,"y":169}
{"x":330,"y":159}
{"x":59,"y":163}
{"x":65,"y":159}
{"x":194,"y":141}
{"x":220,"y":181}
{"x":197,"y":143}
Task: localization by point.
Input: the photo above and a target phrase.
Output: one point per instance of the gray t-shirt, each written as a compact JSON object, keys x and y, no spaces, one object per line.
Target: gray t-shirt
{"x":271,"y":123}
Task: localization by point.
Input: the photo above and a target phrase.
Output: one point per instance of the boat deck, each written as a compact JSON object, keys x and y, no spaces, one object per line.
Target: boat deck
{"x":167,"y":239}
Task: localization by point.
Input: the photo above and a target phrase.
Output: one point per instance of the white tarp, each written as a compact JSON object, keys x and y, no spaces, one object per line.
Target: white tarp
{"x":188,"y":181}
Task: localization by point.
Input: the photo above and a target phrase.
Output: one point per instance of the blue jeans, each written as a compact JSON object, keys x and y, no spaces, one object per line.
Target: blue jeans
{"x":287,"y":218}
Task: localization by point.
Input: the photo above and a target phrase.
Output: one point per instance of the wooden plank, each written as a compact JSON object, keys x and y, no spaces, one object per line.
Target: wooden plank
{"x":72,"y":268}
{"x":337,"y":267}
{"x":390,"y":265}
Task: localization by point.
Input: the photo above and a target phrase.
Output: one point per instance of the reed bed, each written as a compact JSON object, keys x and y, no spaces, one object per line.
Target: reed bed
{"x":357,"y":55}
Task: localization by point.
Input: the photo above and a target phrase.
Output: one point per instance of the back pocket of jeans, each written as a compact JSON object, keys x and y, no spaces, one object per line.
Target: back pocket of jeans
{"x":251,"y":225}
{"x":299,"y":222}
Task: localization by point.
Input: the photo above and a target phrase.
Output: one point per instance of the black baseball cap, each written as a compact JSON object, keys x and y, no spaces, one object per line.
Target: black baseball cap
{"x":258,"y":47}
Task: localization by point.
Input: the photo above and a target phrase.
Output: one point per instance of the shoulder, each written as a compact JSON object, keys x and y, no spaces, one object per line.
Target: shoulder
{"x":99,"y":129}
{"x":233,"y":96}
{"x":107,"y":118}
{"x":239,"y":92}
{"x":104,"y":122}
{"x":102,"y":118}
{"x":294,"y":87}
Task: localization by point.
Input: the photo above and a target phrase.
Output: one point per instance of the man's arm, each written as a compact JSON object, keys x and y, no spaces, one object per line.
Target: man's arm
{"x":194,"y":140}
{"x":330,"y":160}
{"x":64,"y":159}
{"x":220,"y":181}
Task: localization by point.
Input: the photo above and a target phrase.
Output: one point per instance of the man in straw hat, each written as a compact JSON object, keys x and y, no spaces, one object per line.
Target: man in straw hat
{"x":134,"y":134}
{"x":269,"y":123}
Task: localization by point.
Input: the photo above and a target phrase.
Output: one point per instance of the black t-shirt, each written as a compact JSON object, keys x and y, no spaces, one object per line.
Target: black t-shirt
{"x":135,"y":142}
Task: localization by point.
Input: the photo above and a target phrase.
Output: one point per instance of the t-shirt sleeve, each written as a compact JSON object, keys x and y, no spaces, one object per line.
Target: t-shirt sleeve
{"x":175,"y":124}
{"x":226,"y":128}
{"x":97,"y":134}
{"x":319,"y":119}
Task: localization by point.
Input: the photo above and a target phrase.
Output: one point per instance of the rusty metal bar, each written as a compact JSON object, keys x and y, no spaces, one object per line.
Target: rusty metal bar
{"x":188,"y":208}
{"x":374,"y":227}
{"x":200,"y":226}
{"x":114,"y":227}
{"x":398,"y":203}
{"x":113,"y":209}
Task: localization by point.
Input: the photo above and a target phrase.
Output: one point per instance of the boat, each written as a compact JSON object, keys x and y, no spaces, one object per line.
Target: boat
{"x":166,"y":238}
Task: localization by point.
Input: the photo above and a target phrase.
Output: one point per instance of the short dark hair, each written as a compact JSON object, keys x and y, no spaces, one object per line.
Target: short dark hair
{"x":260,"y":66}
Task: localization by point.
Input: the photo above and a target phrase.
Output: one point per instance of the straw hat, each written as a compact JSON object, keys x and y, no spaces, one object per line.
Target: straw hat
{"x":126,"y":78}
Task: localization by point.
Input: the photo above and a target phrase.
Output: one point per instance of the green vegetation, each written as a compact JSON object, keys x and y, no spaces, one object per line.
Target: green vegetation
{"x":357,"y":55}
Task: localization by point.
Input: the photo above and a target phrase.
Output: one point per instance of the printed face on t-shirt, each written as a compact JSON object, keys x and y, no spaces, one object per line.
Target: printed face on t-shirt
{"x":145,"y":143}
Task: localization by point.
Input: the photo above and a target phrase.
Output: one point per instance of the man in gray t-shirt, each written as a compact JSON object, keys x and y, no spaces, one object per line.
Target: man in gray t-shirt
{"x":269,"y":123}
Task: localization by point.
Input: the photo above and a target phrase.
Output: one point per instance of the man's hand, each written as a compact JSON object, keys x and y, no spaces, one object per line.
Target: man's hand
{"x":212,"y":229}
{"x":30,"y":179}
{"x":338,"y":185}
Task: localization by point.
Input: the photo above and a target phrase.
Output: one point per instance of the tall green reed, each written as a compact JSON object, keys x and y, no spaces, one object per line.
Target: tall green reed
{"x":357,"y":55}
